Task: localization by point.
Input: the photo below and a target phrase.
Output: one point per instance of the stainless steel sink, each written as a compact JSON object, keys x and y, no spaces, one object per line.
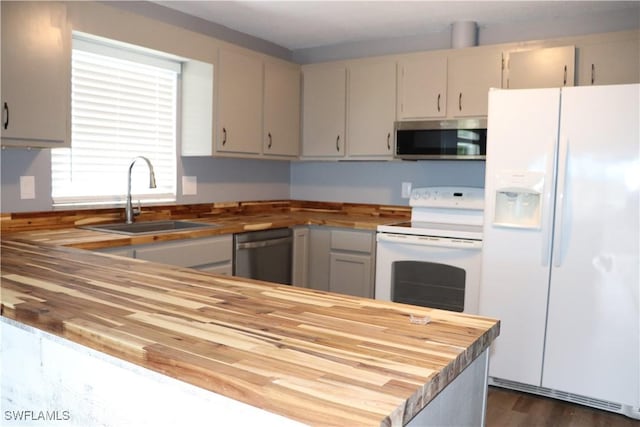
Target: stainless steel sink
{"x":149,"y":227}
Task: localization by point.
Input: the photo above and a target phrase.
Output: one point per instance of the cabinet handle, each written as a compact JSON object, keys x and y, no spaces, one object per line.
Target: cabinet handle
{"x":438,"y":103}
{"x":389,"y":141}
{"x":565,"y":76}
{"x":460,"y":101}
{"x":593,"y":73}
{"x":6,"y":115}
{"x":338,"y":143}
{"x":224,"y":136}
{"x":270,"y":140}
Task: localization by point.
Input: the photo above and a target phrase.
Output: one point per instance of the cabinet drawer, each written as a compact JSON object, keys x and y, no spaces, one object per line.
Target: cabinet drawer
{"x":356,"y":241}
{"x":189,"y":253}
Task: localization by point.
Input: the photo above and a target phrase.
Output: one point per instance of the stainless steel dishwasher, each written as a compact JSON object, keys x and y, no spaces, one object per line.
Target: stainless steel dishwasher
{"x":264,"y":255}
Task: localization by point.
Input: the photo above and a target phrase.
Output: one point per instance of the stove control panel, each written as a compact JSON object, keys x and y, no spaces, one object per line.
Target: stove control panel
{"x":448,"y":197}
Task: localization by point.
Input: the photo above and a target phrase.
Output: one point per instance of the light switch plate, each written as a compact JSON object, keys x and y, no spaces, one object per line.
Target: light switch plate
{"x":406,"y":190}
{"x":27,"y":187}
{"x":189,"y":185}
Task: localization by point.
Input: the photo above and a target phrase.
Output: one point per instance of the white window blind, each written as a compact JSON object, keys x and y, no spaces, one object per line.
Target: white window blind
{"x":123,"y":105}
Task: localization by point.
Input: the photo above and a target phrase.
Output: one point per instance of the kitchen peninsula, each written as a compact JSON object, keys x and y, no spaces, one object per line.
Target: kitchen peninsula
{"x":93,"y":332}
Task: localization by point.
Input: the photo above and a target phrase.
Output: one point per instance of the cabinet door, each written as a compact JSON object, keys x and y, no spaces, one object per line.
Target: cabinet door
{"x":422,"y":87}
{"x":319,"y":247}
{"x":350,"y":274}
{"x":372,"y":109}
{"x":324,"y":111}
{"x":36,"y":74}
{"x":539,"y":68}
{"x":606,"y":63}
{"x":300,"y":257}
{"x":206,"y":252}
{"x":470,"y":78}
{"x":281,"y":134}
{"x":239,"y":103}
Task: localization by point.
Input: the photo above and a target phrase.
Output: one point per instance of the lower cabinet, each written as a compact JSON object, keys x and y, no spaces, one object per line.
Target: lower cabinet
{"x":350,"y":274}
{"x":330,"y":259}
{"x":300,"y":262}
{"x":342,"y":261}
{"x":211,"y":254}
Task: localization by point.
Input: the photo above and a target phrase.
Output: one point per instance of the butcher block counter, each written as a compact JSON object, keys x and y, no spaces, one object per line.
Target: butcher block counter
{"x":299,"y":355}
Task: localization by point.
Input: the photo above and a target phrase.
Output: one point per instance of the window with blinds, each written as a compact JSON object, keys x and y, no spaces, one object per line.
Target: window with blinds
{"x":123,"y":105}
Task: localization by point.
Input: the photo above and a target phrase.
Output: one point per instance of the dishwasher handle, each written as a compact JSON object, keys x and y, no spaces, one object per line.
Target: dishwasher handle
{"x":263,"y":243}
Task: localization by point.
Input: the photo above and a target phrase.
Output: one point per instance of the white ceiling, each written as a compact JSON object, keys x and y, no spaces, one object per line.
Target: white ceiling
{"x":305,"y":24}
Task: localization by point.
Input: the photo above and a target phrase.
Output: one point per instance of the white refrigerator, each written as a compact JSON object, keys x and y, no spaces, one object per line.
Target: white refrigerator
{"x":561,"y":264}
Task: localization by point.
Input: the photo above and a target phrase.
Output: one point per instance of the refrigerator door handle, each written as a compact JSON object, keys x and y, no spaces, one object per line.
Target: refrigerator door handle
{"x":563,"y":163}
{"x":547,"y":219}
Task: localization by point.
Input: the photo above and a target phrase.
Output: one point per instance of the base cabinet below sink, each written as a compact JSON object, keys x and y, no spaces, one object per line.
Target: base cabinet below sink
{"x":211,"y":254}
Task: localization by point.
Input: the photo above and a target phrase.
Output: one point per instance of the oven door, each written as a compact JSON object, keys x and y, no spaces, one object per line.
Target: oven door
{"x":428,"y":271}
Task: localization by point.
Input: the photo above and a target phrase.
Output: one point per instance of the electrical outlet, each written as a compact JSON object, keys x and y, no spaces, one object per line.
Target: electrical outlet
{"x":406,"y":190}
{"x":189,"y":185}
{"x":27,"y":187}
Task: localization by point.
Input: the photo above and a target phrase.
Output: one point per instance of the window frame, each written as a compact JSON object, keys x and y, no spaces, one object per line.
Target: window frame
{"x":140,"y":179}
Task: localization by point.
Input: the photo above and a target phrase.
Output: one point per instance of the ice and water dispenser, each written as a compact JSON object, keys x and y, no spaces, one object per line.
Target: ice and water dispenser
{"x":519,"y":199}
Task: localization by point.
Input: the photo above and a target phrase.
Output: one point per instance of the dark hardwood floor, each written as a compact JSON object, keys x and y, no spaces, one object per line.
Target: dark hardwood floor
{"x":507,"y":408}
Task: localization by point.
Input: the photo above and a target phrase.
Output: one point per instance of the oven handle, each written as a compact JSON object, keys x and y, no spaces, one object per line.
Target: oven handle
{"x":442,"y":242}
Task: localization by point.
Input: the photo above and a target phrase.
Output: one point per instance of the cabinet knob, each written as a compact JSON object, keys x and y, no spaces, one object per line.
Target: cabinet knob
{"x":389,"y":141}
{"x":460,"y":102}
{"x":224,"y":136}
{"x":338,"y":143}
{"x":565,"y":76}
{"x":270,"y":140}
{"x":593,"y":73}
{"x":438,"y":103}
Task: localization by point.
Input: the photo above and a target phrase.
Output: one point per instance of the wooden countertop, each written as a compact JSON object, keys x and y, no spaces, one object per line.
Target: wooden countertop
{"x":316,"y":357}
{"x":89,"y":239}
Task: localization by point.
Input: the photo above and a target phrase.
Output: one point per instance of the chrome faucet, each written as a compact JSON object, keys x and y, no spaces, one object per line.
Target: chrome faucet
{"x":129,"y":212}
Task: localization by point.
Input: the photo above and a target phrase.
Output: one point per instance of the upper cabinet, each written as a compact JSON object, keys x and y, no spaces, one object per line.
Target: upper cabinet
{"x":323,"y":111}
{"x":422,"y":86}
{"x":239,"y":103}
{"x":281,"y":133}
{"x":610,"y":60}
{"x":538,"y":68}
{"x":471,"y":75}
{"x":372,"y":109}
{"x":258,"y":108}
{"x":36,"y":74}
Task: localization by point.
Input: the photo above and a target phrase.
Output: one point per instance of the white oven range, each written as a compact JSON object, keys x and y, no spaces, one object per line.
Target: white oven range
{"x":434,"y":260}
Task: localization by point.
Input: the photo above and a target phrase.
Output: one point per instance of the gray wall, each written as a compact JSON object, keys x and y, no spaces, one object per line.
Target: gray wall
{"x":219,"y":180}
{"x":377,"y":182}
{"x":235,"y":179}
{"x":16,"y":163}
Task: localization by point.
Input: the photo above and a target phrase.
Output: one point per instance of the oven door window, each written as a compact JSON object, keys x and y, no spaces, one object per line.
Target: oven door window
{"x":428,"y":284}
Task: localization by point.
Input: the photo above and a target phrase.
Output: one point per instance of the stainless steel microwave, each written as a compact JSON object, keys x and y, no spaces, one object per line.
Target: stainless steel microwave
{"x":460,"y":139}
